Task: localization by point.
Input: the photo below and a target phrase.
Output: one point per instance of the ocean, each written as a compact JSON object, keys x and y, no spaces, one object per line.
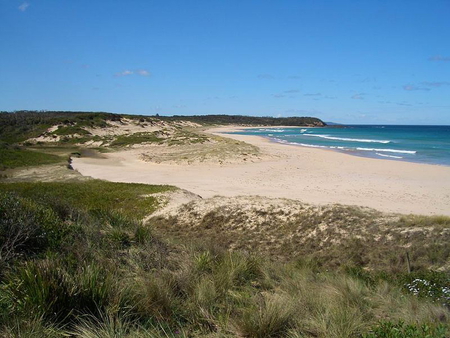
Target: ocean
{"x":422,"y":144}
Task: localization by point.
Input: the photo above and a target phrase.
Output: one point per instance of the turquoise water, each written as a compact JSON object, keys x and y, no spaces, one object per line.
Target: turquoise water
{"x":423,"y":144}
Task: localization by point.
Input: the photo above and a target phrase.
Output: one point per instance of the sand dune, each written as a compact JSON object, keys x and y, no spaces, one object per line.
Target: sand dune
{"x":310,"y":175}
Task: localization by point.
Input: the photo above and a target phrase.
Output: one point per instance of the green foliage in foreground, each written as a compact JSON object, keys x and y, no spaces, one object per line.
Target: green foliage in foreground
{"x":103,"y":274}
{"x":11,"y":157}
{"x":131,"y":199}
{"x":401,"y":330}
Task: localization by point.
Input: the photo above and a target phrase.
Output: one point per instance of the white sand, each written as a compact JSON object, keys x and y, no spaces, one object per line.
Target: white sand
{"x":311,"y":175}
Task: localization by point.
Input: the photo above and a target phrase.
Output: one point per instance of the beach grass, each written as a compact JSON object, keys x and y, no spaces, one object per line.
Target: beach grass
{"x":136,"y":138}
{"x":134,"y":200}
{"x":424,"y":221}
{"x":14,"y":157}
{"x":105,"y":274}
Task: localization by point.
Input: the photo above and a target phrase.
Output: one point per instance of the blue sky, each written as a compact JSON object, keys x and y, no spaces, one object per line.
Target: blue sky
{"x":344,"y":61}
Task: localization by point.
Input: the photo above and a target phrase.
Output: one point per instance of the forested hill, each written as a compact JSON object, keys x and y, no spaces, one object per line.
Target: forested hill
{"x":250,"y":120}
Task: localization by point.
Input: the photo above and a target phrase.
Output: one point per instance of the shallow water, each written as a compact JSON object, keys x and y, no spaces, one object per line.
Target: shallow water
{"x":423,"y":144}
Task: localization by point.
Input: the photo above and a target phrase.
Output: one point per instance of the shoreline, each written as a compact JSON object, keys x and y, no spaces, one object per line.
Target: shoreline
{"x":341,"y":151}
{"x":310,"y":175}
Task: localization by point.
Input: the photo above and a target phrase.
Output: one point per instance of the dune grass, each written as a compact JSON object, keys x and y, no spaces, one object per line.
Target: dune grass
{"x":136,"y":138}
{"x":334,"y":237}
{"x":133,"y":200}
{"x":424,"y":221}
{"x":14,"y":157}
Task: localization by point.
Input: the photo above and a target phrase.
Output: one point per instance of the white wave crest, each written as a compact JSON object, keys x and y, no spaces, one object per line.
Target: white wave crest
{"x":389,"y":150}
{"x":351,"y":149}
{"x":272,"y":130}
{"x":328,"y":137}
{"x":391,"y":156}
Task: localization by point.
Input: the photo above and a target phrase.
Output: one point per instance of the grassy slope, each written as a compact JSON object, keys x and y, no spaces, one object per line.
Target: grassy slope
{"x":103,"y":274}
{"x":333,"y":236}
{"x":18,"y":157}
{"x":133,"y":200}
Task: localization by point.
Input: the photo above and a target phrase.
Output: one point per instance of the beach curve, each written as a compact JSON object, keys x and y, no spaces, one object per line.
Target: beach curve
{"x":311,"y":175}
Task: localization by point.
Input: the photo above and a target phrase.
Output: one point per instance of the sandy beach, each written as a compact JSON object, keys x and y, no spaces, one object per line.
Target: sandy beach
{"x":310,"y":175}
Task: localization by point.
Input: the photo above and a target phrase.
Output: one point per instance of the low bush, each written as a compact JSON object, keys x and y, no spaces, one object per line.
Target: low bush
{"x":402,"y":330}
{"x":27,"y":228}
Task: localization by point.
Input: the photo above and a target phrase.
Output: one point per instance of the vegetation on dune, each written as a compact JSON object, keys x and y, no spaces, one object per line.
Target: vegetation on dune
{"x":13,"y":157}
{"x":133,"y":200}
{"x":22,"y":125}
{"x":332,"y":236}
{"x":137,"y":138}
{"x":70,"y":130}
{"x":16,"y":128}
{"x":76,"y":271}
{"x":43,"y":131}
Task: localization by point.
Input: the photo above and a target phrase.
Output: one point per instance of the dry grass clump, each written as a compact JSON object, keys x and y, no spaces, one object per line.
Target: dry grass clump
{"x":334,"y":236}
{"x":272,"y":315}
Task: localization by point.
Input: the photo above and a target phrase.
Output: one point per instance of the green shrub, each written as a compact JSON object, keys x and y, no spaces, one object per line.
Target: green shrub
{"x":432,"y":285}
{"x":46,"y":288}
{"x":401,"y":330}
{"x":70,"y":130}
{"x":27,"y":228}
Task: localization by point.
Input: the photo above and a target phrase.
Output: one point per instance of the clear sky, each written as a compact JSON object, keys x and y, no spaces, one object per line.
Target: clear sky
{"x":345,"y":61}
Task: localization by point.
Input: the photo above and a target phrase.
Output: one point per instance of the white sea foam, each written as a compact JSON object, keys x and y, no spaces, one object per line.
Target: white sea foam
{"x":349,"y":149}
{"x":272,"y":130}
{"x":389,"y":150}
{"x":391,"y":156}
{"x":328,"y":137}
